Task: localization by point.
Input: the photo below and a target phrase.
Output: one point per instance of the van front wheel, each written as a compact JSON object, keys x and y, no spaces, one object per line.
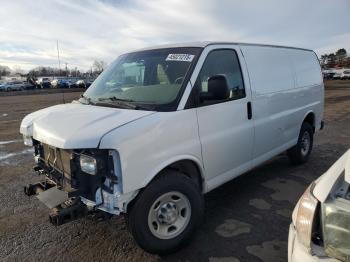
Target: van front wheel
{"x":299,"y":154}
{"x":166,"y":213}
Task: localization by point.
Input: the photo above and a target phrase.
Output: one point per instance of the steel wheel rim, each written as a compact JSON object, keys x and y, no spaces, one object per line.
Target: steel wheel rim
{"x":169,"y":215}
{"x":305,"y":143}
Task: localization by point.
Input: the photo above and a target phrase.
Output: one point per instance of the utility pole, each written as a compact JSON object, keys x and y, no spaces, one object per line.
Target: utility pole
{"x":59,"y":70}
{"x":58,"y":57}
{"x":66,"y":69}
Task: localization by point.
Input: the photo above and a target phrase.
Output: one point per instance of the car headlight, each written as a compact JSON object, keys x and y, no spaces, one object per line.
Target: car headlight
{"x":27,"y":140}
{"x":336,"y":233}
{"x":306,"y":217}
{"x":88,"y":164}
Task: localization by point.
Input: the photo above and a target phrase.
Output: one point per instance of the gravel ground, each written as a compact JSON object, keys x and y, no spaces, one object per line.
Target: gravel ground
{"x":246,"y":219}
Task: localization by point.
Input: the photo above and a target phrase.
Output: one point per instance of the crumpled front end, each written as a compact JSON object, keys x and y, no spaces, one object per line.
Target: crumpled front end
{"x":78,"y":182}
{"x":77,"y":175}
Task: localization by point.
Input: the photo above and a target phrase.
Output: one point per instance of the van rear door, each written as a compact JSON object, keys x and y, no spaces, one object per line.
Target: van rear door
{"x":225,"y":127}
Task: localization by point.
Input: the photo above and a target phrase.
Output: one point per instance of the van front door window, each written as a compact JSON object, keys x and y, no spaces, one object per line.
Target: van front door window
{"x":222,"y":62}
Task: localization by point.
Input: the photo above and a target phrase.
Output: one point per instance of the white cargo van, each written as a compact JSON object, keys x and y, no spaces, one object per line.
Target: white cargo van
{"x":162,"y":126}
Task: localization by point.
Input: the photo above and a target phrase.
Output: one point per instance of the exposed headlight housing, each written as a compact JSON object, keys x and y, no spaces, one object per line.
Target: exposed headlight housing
{"x":28,"y":140}
{"x":306,"y":217}
{"x":336,"y":232}
{"x":88,"y":164}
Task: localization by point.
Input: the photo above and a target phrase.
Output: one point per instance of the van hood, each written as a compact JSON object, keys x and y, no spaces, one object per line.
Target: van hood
{"x":72,"y":126}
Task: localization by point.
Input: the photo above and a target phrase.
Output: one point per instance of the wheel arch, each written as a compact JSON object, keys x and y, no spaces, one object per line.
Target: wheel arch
{"x":188,"y":165}
{"x":311,"y":119}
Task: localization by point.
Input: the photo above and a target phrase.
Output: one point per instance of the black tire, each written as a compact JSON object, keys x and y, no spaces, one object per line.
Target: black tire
{"x":137,"y":219}
{"x":299,"y":154}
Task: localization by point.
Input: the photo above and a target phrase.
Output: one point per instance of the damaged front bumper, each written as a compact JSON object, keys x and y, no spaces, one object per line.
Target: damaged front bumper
{"x":63,"y":208}
{"x":72,"y":193}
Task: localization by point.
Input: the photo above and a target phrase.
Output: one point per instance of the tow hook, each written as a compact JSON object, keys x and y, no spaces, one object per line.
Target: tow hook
{"x":35,"y":189}
{"x":70,"y":210}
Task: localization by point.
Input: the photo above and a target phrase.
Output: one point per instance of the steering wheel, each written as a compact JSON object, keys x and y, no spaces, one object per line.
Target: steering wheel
{"x":179,"y":80}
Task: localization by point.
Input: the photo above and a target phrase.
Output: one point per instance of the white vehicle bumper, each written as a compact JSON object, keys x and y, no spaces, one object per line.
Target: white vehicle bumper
{"x":298,"y":253}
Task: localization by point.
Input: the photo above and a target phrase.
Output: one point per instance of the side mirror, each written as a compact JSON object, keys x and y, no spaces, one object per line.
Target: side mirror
{"x":217,"y":89}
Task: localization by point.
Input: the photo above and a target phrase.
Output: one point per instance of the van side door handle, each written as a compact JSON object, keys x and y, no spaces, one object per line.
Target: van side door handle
{"x":249,"y":110}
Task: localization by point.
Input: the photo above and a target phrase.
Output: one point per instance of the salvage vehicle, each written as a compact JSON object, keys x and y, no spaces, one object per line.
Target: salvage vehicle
{"x":62,"y":83}
{"x":3,"y":86}
{"x":345,"y":75}
{"x":320,"y":230}
{"x":57,"y":83}
{"x":164,"y":125}
{"x":80,"y":83}
{"x":12,"y":86}
{"x":337,"y":76}
{"x":43,"y":82}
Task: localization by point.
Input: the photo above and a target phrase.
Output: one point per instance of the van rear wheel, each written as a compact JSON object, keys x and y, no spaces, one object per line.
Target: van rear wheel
{"x":300,"y":153}
{"x":166,"y":213}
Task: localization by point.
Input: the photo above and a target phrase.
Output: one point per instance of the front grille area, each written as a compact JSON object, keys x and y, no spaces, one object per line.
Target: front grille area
{"x":58,"y":158}
{"x":62,"y":166}
{"x":57,"y":163}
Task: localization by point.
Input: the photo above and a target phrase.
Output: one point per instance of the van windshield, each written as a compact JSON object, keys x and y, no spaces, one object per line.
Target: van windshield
{"x":153,"y":77}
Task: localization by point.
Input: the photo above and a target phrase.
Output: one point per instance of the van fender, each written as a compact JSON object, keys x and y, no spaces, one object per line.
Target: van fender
{"x":305,"y":115}
{"x":172,"y":160}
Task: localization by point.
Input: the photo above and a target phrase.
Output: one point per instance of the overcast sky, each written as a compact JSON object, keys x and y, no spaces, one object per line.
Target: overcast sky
{"x":91,"y":29}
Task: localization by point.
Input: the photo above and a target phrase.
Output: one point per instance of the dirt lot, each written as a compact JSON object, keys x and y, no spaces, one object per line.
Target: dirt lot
{"x":245,"y":220}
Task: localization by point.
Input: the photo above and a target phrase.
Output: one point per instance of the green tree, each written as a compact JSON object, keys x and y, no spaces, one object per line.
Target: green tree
{"x":340,"y":56}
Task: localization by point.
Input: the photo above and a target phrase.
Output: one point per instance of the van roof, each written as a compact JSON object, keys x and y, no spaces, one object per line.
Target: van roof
{"x":207,"y":43}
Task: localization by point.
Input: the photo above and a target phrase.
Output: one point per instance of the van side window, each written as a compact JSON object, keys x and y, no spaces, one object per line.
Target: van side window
{"x":222,"y":62}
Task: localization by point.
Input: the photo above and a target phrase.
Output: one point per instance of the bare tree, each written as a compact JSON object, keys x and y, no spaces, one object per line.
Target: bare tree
{"x":337,"y":59}
{"x":331,"y":60}
{"x":17,"y":70}
{"x":99,"y":66}
{"x":324,"y":59}
{"x":4,"y":71}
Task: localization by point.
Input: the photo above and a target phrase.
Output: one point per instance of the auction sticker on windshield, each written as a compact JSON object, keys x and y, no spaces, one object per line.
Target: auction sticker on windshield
{"x":180,"y":57}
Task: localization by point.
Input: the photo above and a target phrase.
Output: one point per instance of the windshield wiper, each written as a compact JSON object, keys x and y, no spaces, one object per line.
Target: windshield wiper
{"x":124,"y":103}
{"x":114,"y":98}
